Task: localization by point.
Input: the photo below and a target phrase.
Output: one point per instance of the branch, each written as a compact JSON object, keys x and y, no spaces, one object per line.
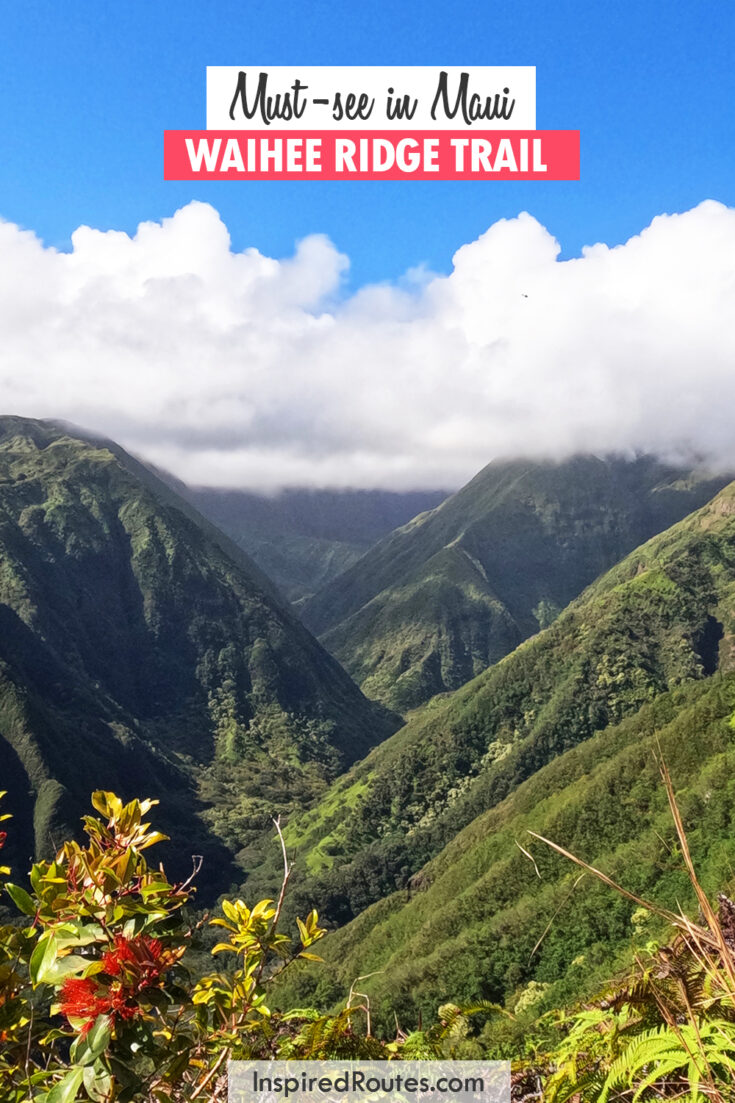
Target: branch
{"x":279,"y":905}
{"x":286,"y":874}
{"x":212,"y":1073}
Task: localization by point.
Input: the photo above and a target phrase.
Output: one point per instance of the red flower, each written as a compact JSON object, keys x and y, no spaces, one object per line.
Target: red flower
{"x":134,"y":964}
{"x":3,"y":837}
{"x":114,"y":960}
{"x":81,"y":998}
{"x":141,"y":959}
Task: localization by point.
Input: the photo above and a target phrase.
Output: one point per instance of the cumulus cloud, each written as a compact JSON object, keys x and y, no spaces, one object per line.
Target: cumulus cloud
{"x":236,"y":369}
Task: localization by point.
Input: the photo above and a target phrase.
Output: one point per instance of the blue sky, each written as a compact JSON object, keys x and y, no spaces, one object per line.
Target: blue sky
{"x":88,"y":89}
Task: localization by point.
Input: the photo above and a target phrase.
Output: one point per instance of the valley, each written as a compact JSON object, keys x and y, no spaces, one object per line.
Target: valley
{"x":551,"y":633}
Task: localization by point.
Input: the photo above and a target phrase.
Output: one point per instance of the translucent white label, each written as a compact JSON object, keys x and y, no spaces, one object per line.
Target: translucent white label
{"x":369,"y":1082}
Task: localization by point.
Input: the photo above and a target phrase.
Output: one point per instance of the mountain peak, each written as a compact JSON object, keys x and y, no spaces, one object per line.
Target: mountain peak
{"x":139,"y":641}
{"x":408,"y":620}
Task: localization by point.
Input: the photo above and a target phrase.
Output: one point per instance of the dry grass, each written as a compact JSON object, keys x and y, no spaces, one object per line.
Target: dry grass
{"x":687,"y":983}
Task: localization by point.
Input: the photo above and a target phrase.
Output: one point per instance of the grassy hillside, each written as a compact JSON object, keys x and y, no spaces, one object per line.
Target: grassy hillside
{"x":441,"y":599}
{"x":303,"y":539}
{"x":141,"y":651}
{"x":662,"y":617}
{"x":483,"y":921}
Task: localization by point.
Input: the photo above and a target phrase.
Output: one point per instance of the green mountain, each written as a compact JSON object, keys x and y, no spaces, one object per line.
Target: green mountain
{"x":441,"y":599}
{"x":484,"y":920}
{"x":303,"y":539}
{"x":663,"y":617}
{"x":141,"y":650}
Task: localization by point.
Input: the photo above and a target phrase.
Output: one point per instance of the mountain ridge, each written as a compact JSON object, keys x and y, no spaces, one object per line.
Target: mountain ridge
{"x":139,"y":637}
{"x":663,"y":616}
{"x":409,"y":619}
{"x":498,"y":916}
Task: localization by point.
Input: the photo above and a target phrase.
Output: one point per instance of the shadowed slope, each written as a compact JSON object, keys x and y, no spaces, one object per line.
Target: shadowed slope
{"x":141,"y":650}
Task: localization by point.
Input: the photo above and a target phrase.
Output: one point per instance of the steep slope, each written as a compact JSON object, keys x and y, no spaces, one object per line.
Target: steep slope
{"x":141,"y":650}
{"x":440,"y":600}
{"x":483,"y":920}
{"x":303,"y":539}
{"x":663,"y":616}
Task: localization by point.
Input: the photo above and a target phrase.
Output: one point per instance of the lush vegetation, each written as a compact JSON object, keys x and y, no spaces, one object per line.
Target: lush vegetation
{"x":440,"y":600}
{"x":138,"y":646}
{"x":500,"y":917}
{"x":661,"y":618}
{"x":666,"y":1030}
{"x":106,"y":992}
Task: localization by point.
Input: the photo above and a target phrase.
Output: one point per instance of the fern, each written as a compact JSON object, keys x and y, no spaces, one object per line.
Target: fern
{"x":687,"y":1055}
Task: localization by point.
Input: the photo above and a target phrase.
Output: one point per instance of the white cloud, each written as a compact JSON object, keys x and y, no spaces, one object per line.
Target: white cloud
{"x":237,"y":369}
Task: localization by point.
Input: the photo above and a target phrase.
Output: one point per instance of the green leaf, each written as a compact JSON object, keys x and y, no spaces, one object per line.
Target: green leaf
{"x":21,"y":899}
{"x":66,"y":1090}
{"x":64,"y":967}
{"x":230,"y":911}
{"x":86,"y":1050}
{"x":98,"y":1082}
{"x":154,"y":887}
{"x":43,"y":959}
{"x":77,"y":934}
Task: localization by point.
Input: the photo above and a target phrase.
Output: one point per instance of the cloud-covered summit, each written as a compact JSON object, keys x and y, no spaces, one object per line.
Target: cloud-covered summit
{"x":242,"y":370}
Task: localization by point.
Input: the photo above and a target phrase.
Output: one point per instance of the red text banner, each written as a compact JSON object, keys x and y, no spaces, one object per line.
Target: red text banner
{"x":371,"y":155}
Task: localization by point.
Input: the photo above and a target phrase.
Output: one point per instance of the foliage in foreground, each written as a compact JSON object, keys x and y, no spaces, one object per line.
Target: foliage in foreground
{"x":103,"y":995}
{"x":97,"y":998}
{"x":667,"y":1031}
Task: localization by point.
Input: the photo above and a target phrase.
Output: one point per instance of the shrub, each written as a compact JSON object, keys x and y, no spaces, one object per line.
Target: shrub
{"x":97,"y":1000}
